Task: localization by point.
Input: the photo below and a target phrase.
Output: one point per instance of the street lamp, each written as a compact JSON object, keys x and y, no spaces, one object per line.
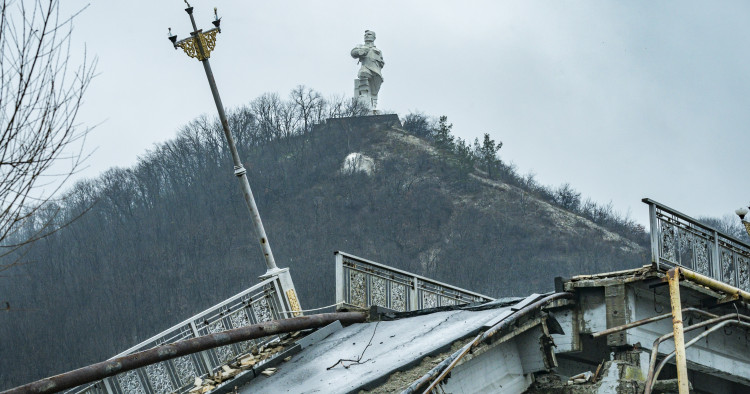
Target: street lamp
{"x":199,"y":45}
{"x":741,"y":212}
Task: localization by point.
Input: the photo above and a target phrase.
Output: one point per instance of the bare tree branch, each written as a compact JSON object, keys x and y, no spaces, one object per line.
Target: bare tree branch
{"x":41,"y":93}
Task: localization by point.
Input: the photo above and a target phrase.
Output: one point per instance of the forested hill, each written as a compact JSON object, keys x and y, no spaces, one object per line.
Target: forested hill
{"x":171,"y":236}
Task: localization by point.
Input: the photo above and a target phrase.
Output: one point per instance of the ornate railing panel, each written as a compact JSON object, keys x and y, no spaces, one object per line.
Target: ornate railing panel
{"x":363,"y":283}
{"x":679,"y":240}
{"x":262,"y":302}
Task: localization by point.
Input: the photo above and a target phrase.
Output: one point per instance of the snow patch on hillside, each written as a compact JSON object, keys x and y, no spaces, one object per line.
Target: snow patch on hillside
{"x":357,"y":162}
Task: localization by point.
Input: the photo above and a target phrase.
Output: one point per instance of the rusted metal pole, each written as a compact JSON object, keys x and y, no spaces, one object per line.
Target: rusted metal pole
{"x":673,"y":277}
{"x":239,"y":169}
{"x":648,"y":320}
{"x":696,"y":339}
{"x":658,"y":341}
{"x":714,"y":284}
{"x":118,"y":365}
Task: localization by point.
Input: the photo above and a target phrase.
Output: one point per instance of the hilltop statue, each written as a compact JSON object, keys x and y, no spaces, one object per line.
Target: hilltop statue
{"x":369,"y":78}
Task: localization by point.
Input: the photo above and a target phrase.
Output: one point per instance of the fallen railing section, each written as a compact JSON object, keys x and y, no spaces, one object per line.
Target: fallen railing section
{"x":261,"y":303}
{"x":183,"y":348}
{"x":679,"y":240}
{"x":363,"y":283}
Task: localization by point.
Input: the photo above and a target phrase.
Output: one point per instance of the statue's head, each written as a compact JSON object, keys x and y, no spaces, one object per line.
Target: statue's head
{"x":369,"y":36}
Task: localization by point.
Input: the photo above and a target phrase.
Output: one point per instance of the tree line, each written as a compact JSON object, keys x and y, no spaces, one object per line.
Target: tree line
{"x":170,"y":236}
{"x":483,"y":154}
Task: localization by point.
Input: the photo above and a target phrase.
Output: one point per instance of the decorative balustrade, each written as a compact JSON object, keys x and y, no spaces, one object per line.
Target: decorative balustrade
{"x":679,"y":240}
{"x":362,"y":283}
{"x":262,"y":302}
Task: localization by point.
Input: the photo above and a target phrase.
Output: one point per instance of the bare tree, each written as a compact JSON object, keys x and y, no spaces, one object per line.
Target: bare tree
{"x":41,"y":92}
{"x":307,"y":101}
{"x":266,"y":109}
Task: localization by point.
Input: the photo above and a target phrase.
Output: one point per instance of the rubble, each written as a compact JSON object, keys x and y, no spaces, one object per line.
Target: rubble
{"x":257,"y":356}
{"x":269,"y":371}
{"x":581,"y":378}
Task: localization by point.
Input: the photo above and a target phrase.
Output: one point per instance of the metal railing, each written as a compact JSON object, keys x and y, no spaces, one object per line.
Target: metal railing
{"x":260,"y":303}
{"x":679,"y":240}
{"x":363,"y":283}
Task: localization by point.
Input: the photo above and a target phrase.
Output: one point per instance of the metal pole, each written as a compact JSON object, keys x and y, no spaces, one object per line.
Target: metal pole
{"x":658,"y":341}
{"x":340,"y":291}
{"x":716,"y":263}
{"x":646,"y":321}
{"x":118,"y":365}
{"x":655,"y":347}
{"x":239,"y":169}
{"x":714,"y":284}
{"x":694,"y":340}
{"x":673,"y":276}
{"x":654,"y":222}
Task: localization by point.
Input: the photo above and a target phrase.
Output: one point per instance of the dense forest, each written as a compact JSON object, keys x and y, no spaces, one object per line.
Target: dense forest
{"x":171,"y":236}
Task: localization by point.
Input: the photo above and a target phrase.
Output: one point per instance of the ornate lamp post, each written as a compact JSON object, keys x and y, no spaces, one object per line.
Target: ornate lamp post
{"x":741,"y":212}
{"x":199,"y":46}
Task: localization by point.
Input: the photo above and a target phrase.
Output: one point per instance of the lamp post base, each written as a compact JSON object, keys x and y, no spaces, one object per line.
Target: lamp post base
{"x":287,"y":287}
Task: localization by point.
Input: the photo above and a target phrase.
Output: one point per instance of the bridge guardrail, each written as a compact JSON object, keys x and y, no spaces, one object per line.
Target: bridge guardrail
{"x":262,"y":302}
{"x":362,"y":283}
{"x":679,"y":240}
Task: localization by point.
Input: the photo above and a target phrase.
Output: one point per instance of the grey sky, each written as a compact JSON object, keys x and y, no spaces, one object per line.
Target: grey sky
{"x":623,"y":100}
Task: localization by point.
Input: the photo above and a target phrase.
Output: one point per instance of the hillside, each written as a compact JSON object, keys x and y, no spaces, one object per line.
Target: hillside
{"x":171,"y":236}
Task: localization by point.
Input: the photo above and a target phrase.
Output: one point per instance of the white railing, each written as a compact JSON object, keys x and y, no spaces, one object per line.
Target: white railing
{"x":679,"y":240}
{"x":363,"y":283}
{"x":262,"y":302}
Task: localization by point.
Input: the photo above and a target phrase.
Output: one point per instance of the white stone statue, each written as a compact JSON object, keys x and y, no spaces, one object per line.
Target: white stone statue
{"x":369,"y":78}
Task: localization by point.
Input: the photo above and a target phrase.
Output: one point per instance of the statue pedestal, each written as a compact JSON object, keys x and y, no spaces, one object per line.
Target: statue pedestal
{"x":370,"y":122}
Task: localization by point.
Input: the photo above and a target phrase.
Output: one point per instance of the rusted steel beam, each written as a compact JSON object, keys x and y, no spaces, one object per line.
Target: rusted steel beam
{"x":648,"y":320}
{"x":118,"y":365}
{"x":673,"y":276}
{"x":655,"y":347}
{"x":714,"y":284}
{"x":696,"y":339}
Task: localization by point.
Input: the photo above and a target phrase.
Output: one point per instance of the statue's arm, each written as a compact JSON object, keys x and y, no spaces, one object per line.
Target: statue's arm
{"x":358,"y":52}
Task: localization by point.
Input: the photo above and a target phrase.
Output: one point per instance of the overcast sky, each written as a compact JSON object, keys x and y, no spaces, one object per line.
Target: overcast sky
{"x":623,"y":100}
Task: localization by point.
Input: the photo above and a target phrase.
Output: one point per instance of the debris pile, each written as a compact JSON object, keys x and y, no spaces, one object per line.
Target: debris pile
{"x":584,"y":377}
{"x":256,"y":357}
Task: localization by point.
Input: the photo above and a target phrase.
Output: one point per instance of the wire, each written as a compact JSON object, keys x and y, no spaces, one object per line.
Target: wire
{"x":314,"y":309}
